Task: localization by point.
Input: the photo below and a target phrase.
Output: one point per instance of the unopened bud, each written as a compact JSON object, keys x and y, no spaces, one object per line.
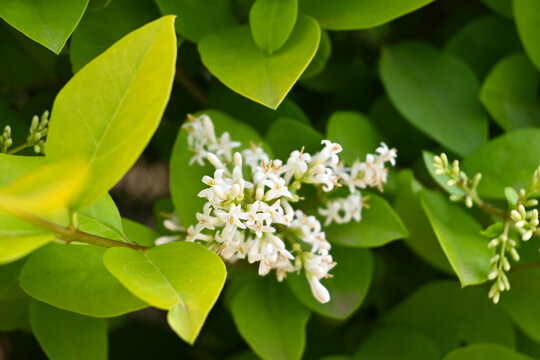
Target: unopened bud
{"x":214,"y":160}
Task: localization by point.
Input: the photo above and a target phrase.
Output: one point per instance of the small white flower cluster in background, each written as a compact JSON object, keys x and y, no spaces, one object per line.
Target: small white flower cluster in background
{"x":250,"y":214}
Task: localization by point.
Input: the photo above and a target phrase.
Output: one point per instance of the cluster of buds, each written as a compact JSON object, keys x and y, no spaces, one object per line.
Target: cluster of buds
{"x":38,"y":132}
{"x":457,"y":178}
{"x":35,"y":139}
{"x":520,"y":217}
{"x":250,"y":213}
{"x":5,"y":139}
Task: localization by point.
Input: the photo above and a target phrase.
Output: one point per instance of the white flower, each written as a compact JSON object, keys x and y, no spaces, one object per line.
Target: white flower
{"x":166,"y":239}
{"x":206,"y":221}
{"x":328,"y":155}
{"x":233,"y":218}
{"x":277,"y":189}
{"x":386,"y":154}
{"x":297,"y":164}
{"x":318,"y":290}
{"x":194,"y":234}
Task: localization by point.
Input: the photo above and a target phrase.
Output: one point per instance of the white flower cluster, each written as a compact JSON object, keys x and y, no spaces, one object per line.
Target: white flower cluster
{"x":249,"y":211}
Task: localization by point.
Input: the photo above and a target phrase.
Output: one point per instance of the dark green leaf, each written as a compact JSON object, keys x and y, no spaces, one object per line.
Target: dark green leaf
{"x":508,"y":160}
{"x":450,"y":315}
{"x":397,"y":342}
{"x":510,"y":93}
{"x":379,"y":225}
{"x":139,"y":233}
{"x":100,"y":29}
{"x":486,"y":352}
{"x":196,"y":19}
{"x":271,"y":320}
{"x":64,"y":335}
{"x":348,"y":286}
{"x":354,"y":14}
{"x":460,"y":238}
{"x":437,"y":93}
{"x":422,"y":239}
{"x":527,"y":16}
{"x":13,"y":301}
{"x":286,"y":135}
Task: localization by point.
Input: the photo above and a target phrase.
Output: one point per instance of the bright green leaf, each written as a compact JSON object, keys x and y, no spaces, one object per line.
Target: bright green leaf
{"x":186,"y":179}
{"x":355,"y":133}
{"x":527,"y":16}
{"x":64,"y":335}
{"x":437,"y":93}
{"x":182,"y":277}
{"x":286,"y":135}
{"x":100,"y":29}
{"x":397,"y":342}
{"x":510,"y":93}
{"x":13,"y":301}
{"x":379,"y":225}
{"x":103,"y":219}
{"x":348,"y":285}
{"x":139,"y":233}
{"x":450,"y":315}
{"x":460,"y":238}
{"x":271,"y":320}
{"x":358,"y":14}
{"x":486,"y":352}
{"x":120,"y":97}
{"x":511,"y":196}
{"x":74,"y":278}
{"x":234,"y":58}
{"x":196,"y":19}
{"x":50,"y":23}
{"x":422,"y":239}
{"x":271,"y":22}
{"x":508,"y":160}
{"x":483,"y":41}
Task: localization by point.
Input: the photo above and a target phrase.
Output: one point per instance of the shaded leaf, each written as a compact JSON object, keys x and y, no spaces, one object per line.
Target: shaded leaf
{"x":287,"y":135}
{"x":527,"y":17}
{"x":272,"y":22}
{"x":486,"y":352}
{"x":13,"y":301}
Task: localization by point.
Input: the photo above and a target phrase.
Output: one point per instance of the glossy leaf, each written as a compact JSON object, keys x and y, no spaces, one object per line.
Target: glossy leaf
{"x":271,"y":320}
{"x":234,"y":58}
{"x":460,"y":238}
{"x":100,"y":29}
{"x":287,"y":135}
{"x":358,"y":14}
{"x":397,"y":342}
{"x":519,"y":303}
{"x":355,"y":133}
{"x":497,"y":161}
{"x":450,"y":315}
{"x":379,"y":225}
{"x":64,"y":335}
{"x":74,"y":278}
{"x":42,"y":191}
{"x":272,"y":22}
{"x":13,"y":301}
{"x":196,"y":19}
{"x":139,"y":233}
{"x":103,"y":219}
{"x":12,"y":167}
{"x":50,"y":23}
{"x":483,"y":42}
{"x":184,"y":278}
{"x":485,"y":352}
{"x":348,"y":285}
{"x":437,"y":93}
{"x":321,"y":57}
{"x":510,"y":93}
{"x":527,"y":17}
{"x":186,"y":179}
{"x":421,"y":239}
{"x":120,"y":97}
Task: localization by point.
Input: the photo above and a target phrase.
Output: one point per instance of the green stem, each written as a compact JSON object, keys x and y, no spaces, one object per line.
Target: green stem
{"x":71,"y":234}
{"x":487,"y":207}
{"x":18,"y":148}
